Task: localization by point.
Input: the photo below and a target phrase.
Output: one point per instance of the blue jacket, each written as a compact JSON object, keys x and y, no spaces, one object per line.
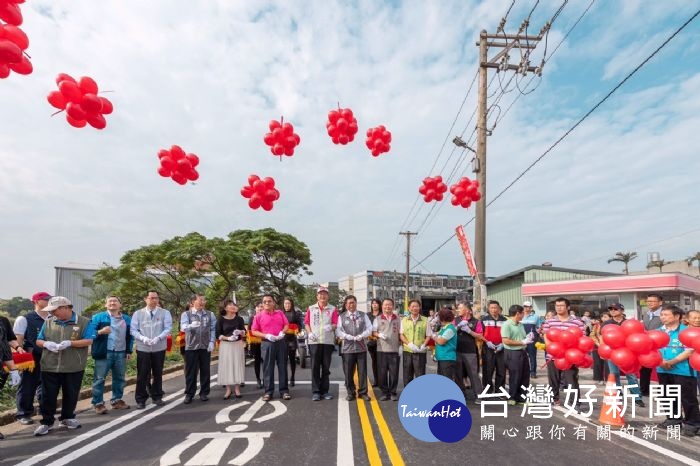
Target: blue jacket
{"x":673,"y":349}
{"x":99,"y":344}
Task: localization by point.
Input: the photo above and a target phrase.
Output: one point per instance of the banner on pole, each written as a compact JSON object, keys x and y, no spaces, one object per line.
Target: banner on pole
{"x":468,"y":256}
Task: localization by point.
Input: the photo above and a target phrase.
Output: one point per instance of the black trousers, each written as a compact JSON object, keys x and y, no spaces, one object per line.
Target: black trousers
{"x":372,"y":350}
{"x":69,"y":385}
{"x":689,"y":401}
{"x":413,"y":366}
{"x":494,"y":362}
{"x":447,"y":369}
{"x":274,"y":354}
{"x":149,"y":375}
{"x":644,"y":380}
{"x":257,"y":358}
{"x":600,"y":367}
{"x":352,"y":361}
{"x":556,"y":376}
{"x":518,"y":364}
{"x":198,"y":362}
{"x":388,"y":372}
{"x":29,"y":387}
{"x":320,"y":367}
{"x":292,"y":356}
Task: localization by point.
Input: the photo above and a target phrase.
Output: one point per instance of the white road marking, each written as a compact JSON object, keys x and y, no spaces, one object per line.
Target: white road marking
{"x":645,"y":443}
{"x":344,"y":455}
{"x":213,"y":451}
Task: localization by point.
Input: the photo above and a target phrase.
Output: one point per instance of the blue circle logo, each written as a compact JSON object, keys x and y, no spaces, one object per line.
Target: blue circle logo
{"x":432,"y":408}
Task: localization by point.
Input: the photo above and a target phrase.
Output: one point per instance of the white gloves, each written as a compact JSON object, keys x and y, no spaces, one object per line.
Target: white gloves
{"x":422,"y":348}
{"x":270,"y":337}
{"x":350,"y":337}
{"x":153,"y":341}
{"x":381,"y":335}
{"x":210,"y":348}
{"x":280,"y":335}
{"x":328,"y":327}
{"x":237,"y":333}
{"x":499,"y":347}
{"x":51,"y":346}
{"x":191,"y":325}
{"x":528,"y":339}
{"x":414,"y":348}
{"x":232,"y":338}
{"x":358,"y":338}
{"x":15,"y":378}
{"x":491,"y":345}
{"x":64,"y":344}
{"x":463,"y":325}
{"x":312,"y":336}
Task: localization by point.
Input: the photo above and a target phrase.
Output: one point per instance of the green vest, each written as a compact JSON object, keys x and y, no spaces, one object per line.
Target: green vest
{"x":414,"y":332}
{"x":70,"y":359}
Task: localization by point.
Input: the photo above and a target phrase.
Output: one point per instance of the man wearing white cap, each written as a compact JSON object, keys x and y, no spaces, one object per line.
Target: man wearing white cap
{"x":531,"y":323}
{"x":65,"y":340}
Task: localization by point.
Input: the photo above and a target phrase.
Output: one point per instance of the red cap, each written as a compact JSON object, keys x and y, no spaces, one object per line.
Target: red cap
{"x":41,"y":295}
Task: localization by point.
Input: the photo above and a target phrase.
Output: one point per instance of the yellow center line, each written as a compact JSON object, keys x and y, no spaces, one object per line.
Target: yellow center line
{"x":370,"y":442}
{"x":389,"y":443}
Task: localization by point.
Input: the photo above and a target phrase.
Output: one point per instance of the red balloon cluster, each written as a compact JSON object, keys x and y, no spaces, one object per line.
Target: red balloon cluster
{"x":175,"y":164}
{"x":690,"y":337}
{"x":378,"y":140}
{"x":341,"y":126}
{"x":10,"y":12}
{"x":282,"y":139}
{"x":569,"y":348}
{"x":260,"y":192}
{"x":464,"y":192}
{"x":629,"y":347}
{"x":13,"y":43}
{"x":80,"y":101}
{"x":432,"y":189}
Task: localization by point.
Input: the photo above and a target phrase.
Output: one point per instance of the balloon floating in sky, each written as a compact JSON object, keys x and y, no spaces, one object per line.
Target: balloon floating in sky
{"x":80,"y":101}
{"x":341,"y":126}
{"x":13,"y":43}
{"x":432,"y":189}
{"x":10,"y":12}
{"x":175,"y":164}
{"x":464,"y":192}
{"x":260,"y":192}
{"x":282,"y":139}
{"x":378,"y":140}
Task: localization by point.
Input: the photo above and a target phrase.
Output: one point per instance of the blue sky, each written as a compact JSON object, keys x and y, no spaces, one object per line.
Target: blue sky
{"x":210,"y":75}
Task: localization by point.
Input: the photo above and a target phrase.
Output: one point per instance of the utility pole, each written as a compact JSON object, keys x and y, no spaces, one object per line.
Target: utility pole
{"x":408,"y":235}
{"x":500,"y":61}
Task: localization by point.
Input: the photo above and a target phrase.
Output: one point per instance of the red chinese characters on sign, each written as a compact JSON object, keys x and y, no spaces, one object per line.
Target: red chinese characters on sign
{"x":468,"y":256}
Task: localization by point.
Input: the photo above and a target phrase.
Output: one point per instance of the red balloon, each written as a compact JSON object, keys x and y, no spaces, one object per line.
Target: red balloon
{"x":4,"y":71}
{"x":614,"y":337}
{"x":553,"y":334}
{"x":268,"y":182}
{"x":585,"y":344}
{"x":632,"y":368}
{"x":587,"y":362}
{"x":23,"y":67}
{"x":107,"y":107}
{"x":562,"y":364}
{"x":9,"y":52}
{"x":91,"y":103}
{"x":10,"y":13}
{"x":193,"y":159}
{"x":167,"y":163}
{"x":695,"y":361}
{"x":568,"y":339}
{"x":651,"y":359}
{"x":75,"y":123}
{"x":604,"y":351}
{"x":343,"y":139}
{"x":659,"y":337}
{"x":576,"y":331}
{"x":252,"y":179}
{"x":164,"y":172}
{"x":575,"y":356}
{"x":639,"y":343}
{"x":179,"y":178}
{"x":631,"y":326}
{"x":274,"y":124}
{"x":278,"y":149}
{"x":64,"y":77}
{"x":266,"y":205}
{"x":690,"y":337}
{"x":57,"y":100}
{"x":247,"y":191}
{"x":254,"y":202}
{"x":623,"y":358}
{"x":176,"y":152}
{"x":163,"y":153}
{"x":192,"y":175}
{"x":96,"y":120}
{"x":609,"y":328}
{"x":183,"y":166}
{"x":75,"y":111}
{"x":87,"y":85}
{"x":70,"y":91}
{"x":556,"y":349}
{"x":269,"y":139}
{"x":16,"y":36}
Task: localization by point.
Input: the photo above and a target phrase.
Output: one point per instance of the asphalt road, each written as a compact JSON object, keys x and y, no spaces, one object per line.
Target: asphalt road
{"x":296,"y":432}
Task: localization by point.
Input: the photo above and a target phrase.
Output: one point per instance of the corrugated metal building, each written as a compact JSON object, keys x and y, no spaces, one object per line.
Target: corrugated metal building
{"x":507,"y":289}
{"x":75,"y":284}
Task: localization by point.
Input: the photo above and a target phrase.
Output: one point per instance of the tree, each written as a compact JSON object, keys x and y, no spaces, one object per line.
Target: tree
{"x":625,"y":257}
{"x":659,"y":263}
{"x":280,"y":261}
{"x":694,"y":258}
{"x":15,"y":306}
